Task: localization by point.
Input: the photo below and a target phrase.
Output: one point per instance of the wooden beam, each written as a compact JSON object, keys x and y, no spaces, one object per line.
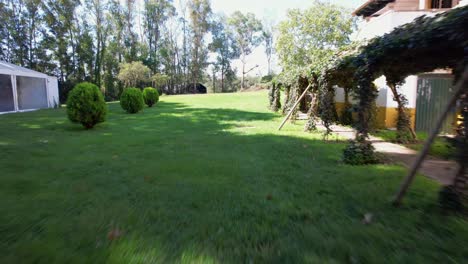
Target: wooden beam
{"x":460,"y":87}
{"x":294,"y":107}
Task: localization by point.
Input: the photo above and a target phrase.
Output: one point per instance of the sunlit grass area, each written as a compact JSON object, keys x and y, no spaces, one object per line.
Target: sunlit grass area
{"x":441,"y":148}
{"x":205,"y":179}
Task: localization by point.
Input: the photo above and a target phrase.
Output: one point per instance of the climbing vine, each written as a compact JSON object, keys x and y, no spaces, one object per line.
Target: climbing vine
{"x":426,"y":44}
{"x":405,"y":132}
{"x":274,"y":95}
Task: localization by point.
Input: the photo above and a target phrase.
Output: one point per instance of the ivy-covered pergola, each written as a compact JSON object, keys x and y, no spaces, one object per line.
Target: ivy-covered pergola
{"x":427,"y":44}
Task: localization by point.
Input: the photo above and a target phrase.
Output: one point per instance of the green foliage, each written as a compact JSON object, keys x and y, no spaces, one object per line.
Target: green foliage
{"x":311,"y":116}
{"x":151,"y":96}
{"x":294,"y":97}
{"x":449,"y":199}
{"x":327,"y":109}
{"x":274,"y":95}
{"x":307,"y":41}
{"x":398,"y":54}
{"x":247,"y":32}
{"x":266,"y":78}
{"x":359,"y":153}
{"x":134,"y":73}
{"x":199,"y":12}
{"x":86,"y":105}
{"x":131,"y":100}
{"x":461,"y":143}
{"x":308,"y":38}
{"x":346,"y":115}
{"x":160,"y":79}
{"x":287,"y":99}
{"x":277,"y":98}
{"x":271,"y":96}
{"x":226,"y":49}
{"x":403,"y":126}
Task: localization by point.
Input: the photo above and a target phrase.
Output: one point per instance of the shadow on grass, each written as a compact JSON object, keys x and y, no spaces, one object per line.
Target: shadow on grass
{"x":183,"y":184}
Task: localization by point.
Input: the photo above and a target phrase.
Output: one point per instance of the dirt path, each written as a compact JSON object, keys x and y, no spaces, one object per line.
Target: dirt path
{"x":434,"y":168}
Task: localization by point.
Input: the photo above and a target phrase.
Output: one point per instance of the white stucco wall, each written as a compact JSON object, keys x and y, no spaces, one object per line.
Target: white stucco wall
{"x":386,"y":22}
{"x":379,"y":26}
{"x":385,"y":96}
{"x":408,"y":89}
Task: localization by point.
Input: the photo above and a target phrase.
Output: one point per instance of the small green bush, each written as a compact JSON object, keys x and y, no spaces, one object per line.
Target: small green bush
{"x":151,"y":96}
{"x":86,"y":105}
{"x":131,"y":100}
{"x":359,"y":153}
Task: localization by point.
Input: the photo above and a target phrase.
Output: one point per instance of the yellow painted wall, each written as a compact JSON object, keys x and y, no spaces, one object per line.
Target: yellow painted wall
{"x":391,"y":114}
{"x":386,"y":116}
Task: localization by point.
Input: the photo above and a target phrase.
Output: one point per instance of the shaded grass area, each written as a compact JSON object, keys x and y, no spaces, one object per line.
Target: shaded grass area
{"x":441,"y":148}
{"x":205,"y":179}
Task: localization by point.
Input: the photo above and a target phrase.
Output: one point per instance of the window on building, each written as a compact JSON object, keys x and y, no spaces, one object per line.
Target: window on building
{"x":441,"y":3}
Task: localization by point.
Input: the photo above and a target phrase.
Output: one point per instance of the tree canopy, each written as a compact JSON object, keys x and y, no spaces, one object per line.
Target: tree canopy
{"x":247,"y":31}
{"x":131,"y":74}
{"x":89,"y":40}
{"x":308,"y":38}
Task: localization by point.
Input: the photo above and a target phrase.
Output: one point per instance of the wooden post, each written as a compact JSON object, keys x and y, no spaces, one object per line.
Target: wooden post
{"x":460,"y":87}
{"x":294,"y":107}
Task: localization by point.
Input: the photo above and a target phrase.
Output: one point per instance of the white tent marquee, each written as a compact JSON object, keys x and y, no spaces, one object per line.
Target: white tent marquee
{"x":23,"y":89}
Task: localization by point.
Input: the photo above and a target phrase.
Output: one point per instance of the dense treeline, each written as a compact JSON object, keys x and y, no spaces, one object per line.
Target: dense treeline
{"x":90,"y":40}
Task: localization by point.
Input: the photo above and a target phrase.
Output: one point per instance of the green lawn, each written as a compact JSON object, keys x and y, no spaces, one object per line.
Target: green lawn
{"x":441,"y":148}
{"x":205,"y":179}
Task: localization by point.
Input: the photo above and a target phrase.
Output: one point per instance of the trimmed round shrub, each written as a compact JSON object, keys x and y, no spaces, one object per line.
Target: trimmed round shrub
{"x":131,"y":100}
{"x":86,"y":105}
{"x":151,"y":96}
{"x":359,"y":153}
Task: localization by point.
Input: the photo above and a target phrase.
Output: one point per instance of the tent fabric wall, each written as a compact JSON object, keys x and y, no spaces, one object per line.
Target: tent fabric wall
{"x":23,"y":89}
{"x":52,"y":90}
{"x":32,"y":92}
{"x":6,"y":94}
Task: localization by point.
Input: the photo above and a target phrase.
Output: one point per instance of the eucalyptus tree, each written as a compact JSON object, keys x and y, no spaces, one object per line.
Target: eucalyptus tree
{"x":200,"y":11}
{"x":20,"y":31}
{"x":268,"y":42}
{"x":247,"y":31}
{"x":98,"y":8}
{"x":225,"y":47}
{"x":130,"y":36}
{"x":61,"y":36}
{"x":156,"y":13}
